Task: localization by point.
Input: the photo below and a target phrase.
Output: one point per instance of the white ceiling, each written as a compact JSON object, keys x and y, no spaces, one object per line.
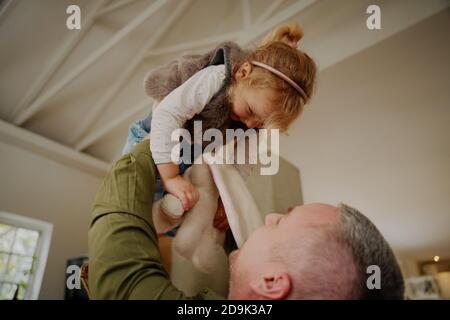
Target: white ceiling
{"x":81,"y":88}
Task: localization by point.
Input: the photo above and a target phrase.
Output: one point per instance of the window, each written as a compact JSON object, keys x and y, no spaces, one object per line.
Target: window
{"x":24,"y":245}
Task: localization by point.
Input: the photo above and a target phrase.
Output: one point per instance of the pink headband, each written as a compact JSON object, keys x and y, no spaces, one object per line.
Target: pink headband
{"x":282,"y":76}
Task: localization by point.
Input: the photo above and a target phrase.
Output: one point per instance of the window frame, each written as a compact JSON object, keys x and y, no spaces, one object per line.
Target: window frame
{"x":45,"y":230}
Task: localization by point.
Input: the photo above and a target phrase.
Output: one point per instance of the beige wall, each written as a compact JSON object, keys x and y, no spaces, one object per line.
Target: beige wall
{"x":37,"y":187}
{"x":377,"y":136}
{"x":279,"y":192}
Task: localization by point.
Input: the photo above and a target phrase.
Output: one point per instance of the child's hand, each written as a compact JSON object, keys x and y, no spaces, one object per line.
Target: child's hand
{"x":183,"y":190}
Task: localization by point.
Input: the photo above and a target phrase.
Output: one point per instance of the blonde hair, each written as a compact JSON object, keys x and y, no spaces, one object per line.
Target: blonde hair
{"x":278,"y":50}
{"x":288,"y":32}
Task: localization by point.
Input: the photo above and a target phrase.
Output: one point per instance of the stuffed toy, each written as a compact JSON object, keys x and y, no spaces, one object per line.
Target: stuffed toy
{"x":197,"y":240}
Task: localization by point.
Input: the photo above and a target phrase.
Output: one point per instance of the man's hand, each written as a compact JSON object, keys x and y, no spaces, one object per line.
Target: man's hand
{"x":183,"y":190}
{"x":220,"y":220}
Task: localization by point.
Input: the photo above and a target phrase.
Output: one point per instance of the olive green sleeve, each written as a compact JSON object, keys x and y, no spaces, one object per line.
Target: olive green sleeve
{"x":124,"y":257}
{"x":127,"y":262}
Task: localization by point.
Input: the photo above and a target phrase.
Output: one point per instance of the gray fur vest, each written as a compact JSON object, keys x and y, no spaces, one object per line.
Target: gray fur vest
{"x":216,"y":114}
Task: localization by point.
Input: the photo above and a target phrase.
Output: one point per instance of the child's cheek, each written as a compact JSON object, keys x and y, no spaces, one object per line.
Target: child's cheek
{"x":234,"y":114}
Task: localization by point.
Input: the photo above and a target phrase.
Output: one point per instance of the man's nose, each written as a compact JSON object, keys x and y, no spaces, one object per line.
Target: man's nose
{"x":272,"y":218}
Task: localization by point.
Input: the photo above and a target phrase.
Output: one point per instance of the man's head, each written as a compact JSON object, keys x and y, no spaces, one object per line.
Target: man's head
{"x":315,"y":251}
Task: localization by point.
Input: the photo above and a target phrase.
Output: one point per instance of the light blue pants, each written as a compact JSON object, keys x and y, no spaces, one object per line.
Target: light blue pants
{"x":137,"y":131}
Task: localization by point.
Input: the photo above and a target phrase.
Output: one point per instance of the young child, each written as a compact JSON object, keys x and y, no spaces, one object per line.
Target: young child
{"x":226,"y":88}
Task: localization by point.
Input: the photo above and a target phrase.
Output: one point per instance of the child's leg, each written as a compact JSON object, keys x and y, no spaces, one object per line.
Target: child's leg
{"x":137,"y":131}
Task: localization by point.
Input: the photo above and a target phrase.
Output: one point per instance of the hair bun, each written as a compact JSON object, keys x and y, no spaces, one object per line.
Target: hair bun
{"x":289,"y":33}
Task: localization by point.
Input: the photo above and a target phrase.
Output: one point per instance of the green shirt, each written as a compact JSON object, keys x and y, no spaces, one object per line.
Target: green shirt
{"x":124,"y":257}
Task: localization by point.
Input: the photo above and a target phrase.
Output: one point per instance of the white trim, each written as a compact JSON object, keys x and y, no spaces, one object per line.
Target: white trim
{"x":45,"y":230}
{"x":50,"y":149}
{"x":256,"y":31}
{"x":271,"y":9}
{"x":243,"y":37}
{"x":39,"y":103}
{"x":6,"y":8}
{"x":113,"y":124}
{"x":57,"y":60}
{"x":190,"y":45}
{"x":118,"y":84}
{"x":115,"y":6}
{"x":393,"y":11}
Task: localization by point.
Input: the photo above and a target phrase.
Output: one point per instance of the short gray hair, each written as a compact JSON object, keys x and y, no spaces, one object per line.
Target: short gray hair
{"x":369,"y":247}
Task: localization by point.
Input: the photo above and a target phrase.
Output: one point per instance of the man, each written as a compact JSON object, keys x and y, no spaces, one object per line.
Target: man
{"x":314,"y":252}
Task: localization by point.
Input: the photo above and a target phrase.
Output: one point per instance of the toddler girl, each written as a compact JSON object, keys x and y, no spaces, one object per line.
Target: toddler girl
{"x":226,"y":88}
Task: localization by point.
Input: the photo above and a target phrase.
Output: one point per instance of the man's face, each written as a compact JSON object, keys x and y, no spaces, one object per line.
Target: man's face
{"x":278,"y":228}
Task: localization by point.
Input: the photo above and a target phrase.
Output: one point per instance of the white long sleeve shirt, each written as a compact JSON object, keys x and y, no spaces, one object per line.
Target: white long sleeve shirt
{"x":181,"y":105}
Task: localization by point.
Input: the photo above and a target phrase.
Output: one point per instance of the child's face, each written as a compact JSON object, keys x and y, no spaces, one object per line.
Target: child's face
{"x":251,"y":105}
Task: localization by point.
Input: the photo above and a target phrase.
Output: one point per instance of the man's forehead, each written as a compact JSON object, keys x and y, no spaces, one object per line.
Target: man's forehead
{"x":315,"y":213}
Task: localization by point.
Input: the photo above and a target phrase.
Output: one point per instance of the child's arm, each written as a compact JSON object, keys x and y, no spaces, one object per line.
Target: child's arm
{"x":181,"y":105}
{"x":171,"y":114}
{"x":177,"y":185}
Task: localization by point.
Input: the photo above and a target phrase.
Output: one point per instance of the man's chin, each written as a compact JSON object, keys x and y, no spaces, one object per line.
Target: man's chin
{"x":233,"y":293}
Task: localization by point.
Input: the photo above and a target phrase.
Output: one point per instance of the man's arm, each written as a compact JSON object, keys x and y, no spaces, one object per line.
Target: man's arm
{"x":124,"y":257}
{"x":125,"y":262}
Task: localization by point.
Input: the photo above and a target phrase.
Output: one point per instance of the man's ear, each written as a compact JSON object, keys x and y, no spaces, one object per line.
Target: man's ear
{"x":275,"y":286}
{"x":244,"y":70}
